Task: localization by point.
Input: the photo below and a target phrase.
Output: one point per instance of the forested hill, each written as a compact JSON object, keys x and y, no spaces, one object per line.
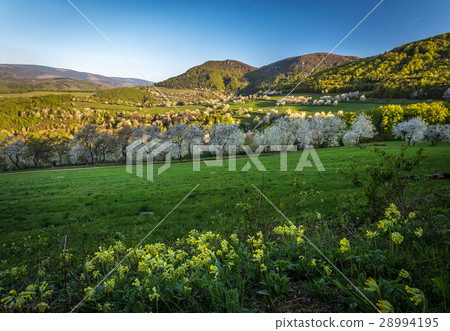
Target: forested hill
{"x":219,"y":75}
{"x":285,"y":73}
{"x":418,"y":69}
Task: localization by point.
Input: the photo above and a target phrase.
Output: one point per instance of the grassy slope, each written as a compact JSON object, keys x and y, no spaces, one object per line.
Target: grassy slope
{"x":112,"y":200}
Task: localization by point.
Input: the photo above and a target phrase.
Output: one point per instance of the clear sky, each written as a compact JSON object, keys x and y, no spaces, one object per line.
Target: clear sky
{"x":164,"y":38}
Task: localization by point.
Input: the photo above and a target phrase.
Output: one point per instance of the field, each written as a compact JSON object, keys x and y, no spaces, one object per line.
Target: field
{"x":87,"y":208}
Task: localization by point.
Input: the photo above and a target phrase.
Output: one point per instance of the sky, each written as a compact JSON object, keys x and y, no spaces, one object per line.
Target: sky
{"x":165,"y":38}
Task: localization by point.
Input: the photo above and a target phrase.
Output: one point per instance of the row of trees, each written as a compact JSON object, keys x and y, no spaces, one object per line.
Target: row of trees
{"x":91,"y":145}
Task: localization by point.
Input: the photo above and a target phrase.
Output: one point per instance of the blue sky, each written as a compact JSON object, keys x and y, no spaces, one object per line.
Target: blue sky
{"x":165,"y":38}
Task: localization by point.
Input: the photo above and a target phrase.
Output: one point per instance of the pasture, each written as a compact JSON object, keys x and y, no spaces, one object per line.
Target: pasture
{"x":83,"y":209}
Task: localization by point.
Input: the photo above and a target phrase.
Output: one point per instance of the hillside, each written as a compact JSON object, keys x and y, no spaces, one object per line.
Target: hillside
{"x":37,"y":72}
{"x":14,"y":83}
{"x":285,"y":73}
{"x":219,"y":75}
{"x":418,"y":69}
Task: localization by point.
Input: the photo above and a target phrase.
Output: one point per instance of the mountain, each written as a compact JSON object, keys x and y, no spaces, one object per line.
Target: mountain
{"x":14,"y":83}
{"x":284,"y":74}
{"x":219,"y":75}
{"x":38,"y":72}
{"x":417,"y":69}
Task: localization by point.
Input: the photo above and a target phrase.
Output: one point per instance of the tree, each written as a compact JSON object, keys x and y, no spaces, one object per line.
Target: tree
{"x":103,"y":145}
{"x":13,"y":149}
{"x":435,"y":133}
{"x":176,"y":134}
{"x":334,"y":129}
{"x":193,"y":135}
{"x":86,"y":137}
{"x":411,"y":130}
{"x":361,"y":128}
{"x":123,"y":138}
{"x":281,"y":132}
{"x":61,"y":146}
{"x":226,"y":135}
{"x":38,"y":149}
{"x":302,"y":132}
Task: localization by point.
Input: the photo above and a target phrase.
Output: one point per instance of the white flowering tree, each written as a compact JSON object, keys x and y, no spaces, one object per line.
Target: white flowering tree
{"x":411,"y":130}
{"x":281,"y":132}
{"x":446,"y":94}
{"x":333,"y":130}
{"x":361,"y":128}
{"x":317,"y":127}
{"x":12,"y":149}
{"x":193,"y":135}
{"x":436,"y":133}
{"x":302,"y":132}
{"x":225,"y":135}
{"x":176,"y":134}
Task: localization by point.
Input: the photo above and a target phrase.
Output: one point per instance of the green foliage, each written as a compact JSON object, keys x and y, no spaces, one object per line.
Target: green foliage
{"x":132,"y":94}
{"x":219,"y":75}
{"x":418,"y":69}
{"x":388,"y":180}
{"x":432,"y":113}
{"x":284,"y":74}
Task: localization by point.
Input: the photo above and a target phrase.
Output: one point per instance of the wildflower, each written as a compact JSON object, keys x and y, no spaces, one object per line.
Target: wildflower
{"x":404,"y":274}
{"x":385,"y":306}
{"x":234,"y":238}
{"x":136,"y":282}
{"x":214,"y":270}
{"x":327,"y":270}
{"x":418,"y":232}
{"x":89,"y":293}
{"x":371,"y":234}
{"x":397,"y":238}
{"x":411,"y":215}
{"x":313,"y":262}
{"x":371,"y":285}
{"x":345,"y":245}
{"x":89,"y":266}
{"x":417,"y":295}
{"x":299,"y":240}
{"x":301,"y":257}
{"x":109,"y":285}
{"x":154,"y":295}
{"x":258,"y":255}
{"x":263,"y":267}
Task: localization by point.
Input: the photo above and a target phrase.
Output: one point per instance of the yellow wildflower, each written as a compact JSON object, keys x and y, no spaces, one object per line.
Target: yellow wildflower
{"x":263,"y":267}
{"x":371,"y":234}
{"x":385,"y":306}
{"x":418,"y":232}
{"x":371,"y":285}
{"x":404,"y":274}
{"x":397,"y":238}
{"x":345,"y":245}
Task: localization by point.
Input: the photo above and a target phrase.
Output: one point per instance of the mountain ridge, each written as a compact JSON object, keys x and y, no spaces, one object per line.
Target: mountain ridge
{"x":40,"y":72}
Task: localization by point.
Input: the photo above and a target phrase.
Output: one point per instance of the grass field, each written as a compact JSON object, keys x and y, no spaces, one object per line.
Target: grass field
{"x":113,"y":200}
{"x":52,"y":222}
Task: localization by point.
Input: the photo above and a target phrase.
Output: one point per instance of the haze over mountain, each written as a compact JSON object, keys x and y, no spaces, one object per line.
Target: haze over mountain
{"x":38,"y":72}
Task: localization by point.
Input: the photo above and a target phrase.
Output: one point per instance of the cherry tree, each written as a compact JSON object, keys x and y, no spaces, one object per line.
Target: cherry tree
{"x":226,"y":135}
{"x":436,"y":133}
{"x":333,"y":130}
{"x":411,"y":130}
{"x":176,"y":134}
{"x":13,"y":149}
{"x":193,"y":135}
{"x":361,"y":128}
